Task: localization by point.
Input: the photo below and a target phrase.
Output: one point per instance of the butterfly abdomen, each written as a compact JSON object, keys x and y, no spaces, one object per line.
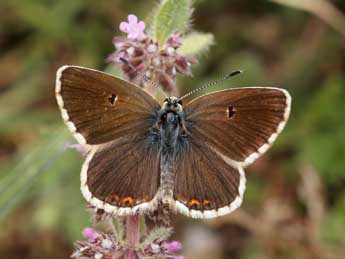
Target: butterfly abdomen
{"x":167,"y":178}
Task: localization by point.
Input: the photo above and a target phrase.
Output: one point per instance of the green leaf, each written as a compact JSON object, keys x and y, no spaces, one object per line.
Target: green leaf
{"x":17,"y":182}
{"x":113,"y":70}
{"x":195,"y":43}
{"x":333,"y":225}
{"x":171,"y":16}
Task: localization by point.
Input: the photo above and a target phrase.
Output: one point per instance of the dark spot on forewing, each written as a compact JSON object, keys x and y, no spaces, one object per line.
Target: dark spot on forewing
{"x":112,"y":99}
{"x":231,"y":112}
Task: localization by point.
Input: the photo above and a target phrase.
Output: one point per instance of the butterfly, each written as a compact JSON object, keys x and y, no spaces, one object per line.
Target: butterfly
{"x":142,"y":153}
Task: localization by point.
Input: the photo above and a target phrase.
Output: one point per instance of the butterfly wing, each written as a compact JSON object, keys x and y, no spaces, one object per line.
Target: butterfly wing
{"x":206,"y":184}
{"x":241,"y":123}
{"x":226,"y":130}
{"x":98,"y":107}
{"x":122,"y":177}
{"x":121,"y":171}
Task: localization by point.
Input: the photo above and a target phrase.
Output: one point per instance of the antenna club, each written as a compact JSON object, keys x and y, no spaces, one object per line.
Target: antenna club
{"x":234,"y":73}
{"x":124,"y":60}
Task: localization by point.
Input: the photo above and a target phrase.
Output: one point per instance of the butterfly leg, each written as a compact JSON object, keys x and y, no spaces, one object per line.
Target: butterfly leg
{"x":182,"y":122}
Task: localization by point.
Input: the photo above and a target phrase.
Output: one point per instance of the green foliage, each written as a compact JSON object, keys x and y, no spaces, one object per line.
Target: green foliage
{"x":33,"y":162}
{"x":333,"y":227}
{"x":323,"y":139}
{"x":171,"y":16}
{"x":196,"y":43}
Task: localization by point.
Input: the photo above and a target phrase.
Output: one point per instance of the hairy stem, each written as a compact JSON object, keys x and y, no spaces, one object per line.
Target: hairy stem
{"x":132,"y":230}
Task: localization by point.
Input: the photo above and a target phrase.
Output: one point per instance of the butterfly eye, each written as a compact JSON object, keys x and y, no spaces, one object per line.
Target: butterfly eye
{"x":231,"y":112}
{"x":112,"y":99}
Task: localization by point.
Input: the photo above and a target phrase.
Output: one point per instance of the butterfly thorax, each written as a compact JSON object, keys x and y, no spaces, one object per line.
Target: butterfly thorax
{"x":170,"y":121}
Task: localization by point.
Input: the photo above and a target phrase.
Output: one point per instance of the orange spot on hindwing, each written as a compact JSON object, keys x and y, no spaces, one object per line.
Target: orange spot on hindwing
{"x":206,"y":204}
{"x":127,"y":201}
{"x":194,"y":204}
{"x":116,"y":197}
{"x":113,"y":199}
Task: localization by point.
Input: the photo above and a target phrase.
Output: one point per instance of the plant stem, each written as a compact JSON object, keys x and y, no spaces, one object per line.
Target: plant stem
{"x":132,"y":233}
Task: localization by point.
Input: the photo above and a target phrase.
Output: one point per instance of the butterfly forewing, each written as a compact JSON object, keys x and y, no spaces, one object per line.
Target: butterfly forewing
{"x":98,"y":107}
{"x":239,"y":123}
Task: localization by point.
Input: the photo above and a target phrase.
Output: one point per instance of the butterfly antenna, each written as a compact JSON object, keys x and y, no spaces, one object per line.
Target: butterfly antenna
{"x":234,"y":73}
{"x":145,"y":77}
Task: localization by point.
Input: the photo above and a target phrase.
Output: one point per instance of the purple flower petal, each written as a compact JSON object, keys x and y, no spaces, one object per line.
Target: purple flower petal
{"x":173,"y":246}
{"x":141,"y":26}
{"x":133,"y":35}
{"x":124,"y":26}
{"x":134,"y":28}
{"x":78,"y":147}
{"x":175,"y":40}
{"x":132,"y":19}
{"x":90,"y":234}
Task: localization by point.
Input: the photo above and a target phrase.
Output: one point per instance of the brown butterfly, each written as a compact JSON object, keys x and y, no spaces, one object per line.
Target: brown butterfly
{"x":141,"y":153}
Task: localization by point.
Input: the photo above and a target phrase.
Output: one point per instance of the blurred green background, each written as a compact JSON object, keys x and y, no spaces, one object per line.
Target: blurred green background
{"x":294,"y":204}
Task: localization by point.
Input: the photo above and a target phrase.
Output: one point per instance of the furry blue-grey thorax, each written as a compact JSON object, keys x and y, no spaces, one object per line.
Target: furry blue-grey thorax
{"x":170,"y":121}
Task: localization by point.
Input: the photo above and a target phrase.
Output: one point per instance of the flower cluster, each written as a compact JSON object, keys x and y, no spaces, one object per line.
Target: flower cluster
{"x":99,"y":245}
{"x":161,"y":249}
{"x":160,"y":63}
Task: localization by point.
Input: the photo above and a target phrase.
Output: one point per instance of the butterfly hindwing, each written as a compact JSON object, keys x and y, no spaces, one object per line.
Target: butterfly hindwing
{"x":241,"y":123}
{"x":206,"y":184}
{"x":98,"y":107}
{"x":122,"y":176}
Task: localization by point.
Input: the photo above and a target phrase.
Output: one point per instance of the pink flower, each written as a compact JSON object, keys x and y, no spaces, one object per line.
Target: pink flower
{"x":78,"y":147}
{"x":90,"y":234}
{"x":175,"y":40}
{"x":133,"y":28}
{"x":173,"y":246}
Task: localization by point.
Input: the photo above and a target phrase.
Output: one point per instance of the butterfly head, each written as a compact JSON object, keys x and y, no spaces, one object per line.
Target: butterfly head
{"x":172,"y":104}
